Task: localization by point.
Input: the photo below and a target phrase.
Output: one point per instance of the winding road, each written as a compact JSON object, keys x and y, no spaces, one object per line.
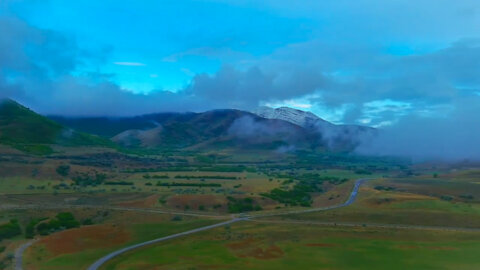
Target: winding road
{"x":110,"y":256}
{"x":19,"y":254}
{"x":242,"y":217}
{"x":103,"y":260}
{"x":350,"y":200}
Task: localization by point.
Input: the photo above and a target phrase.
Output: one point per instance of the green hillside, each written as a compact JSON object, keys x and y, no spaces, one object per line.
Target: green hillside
{"x":21,"y":125}
{"x":28,"y":131}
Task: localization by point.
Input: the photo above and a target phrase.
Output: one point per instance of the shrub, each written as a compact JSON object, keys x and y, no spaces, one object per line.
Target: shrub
{"x":177,"y":218}
{"x":63,"y":170}
{"x":10,"y":229}
{"x":64,"y":220}
{"x":242,"y":205}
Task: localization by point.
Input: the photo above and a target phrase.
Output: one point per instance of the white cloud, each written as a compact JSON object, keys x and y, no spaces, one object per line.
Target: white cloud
{"x":133,"y":64}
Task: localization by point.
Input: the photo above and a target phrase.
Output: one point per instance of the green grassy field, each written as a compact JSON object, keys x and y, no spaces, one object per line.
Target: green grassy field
{"x":77,"y":248}
{"x":395,"y":207}
{"x":231,"y":185}
{"x":262,"y":246}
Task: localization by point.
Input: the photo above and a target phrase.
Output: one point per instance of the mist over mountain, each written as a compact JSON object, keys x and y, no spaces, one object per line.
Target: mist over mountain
{"x":333,"y":136}
{"x":278,"y":129}
{"x":451,"y":138}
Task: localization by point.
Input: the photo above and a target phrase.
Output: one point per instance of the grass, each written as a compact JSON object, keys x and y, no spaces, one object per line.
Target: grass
{"x":40,"y":257}
{"x":32,"y":133}
{"x":261,"y":246}
{"x":396,"y":207}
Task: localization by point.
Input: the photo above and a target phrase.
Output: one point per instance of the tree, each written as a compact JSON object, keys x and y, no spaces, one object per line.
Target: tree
{"x":63,"y":170}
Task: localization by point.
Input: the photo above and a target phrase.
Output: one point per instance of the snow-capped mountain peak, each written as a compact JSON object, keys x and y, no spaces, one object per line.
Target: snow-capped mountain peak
{"x":294,"y":116}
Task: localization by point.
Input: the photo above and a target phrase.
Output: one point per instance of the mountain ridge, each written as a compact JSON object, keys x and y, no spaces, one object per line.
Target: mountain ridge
{"x":282,"y":128}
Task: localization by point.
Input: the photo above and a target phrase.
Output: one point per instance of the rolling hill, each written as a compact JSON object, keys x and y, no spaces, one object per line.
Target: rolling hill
{"x":282,"y":129}
{"x":26,"y":130}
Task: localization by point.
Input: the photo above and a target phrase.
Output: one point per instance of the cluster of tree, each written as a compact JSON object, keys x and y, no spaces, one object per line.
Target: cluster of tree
{"x":30,"y":228}
{"x":210,"y":159}
{"x":159,"y":169}
{"x":173,"y":184}
{"x":224,"y":168}
{"x":62,"y":221}
{"x":119,"y":183}
{"x":242,"y":205}
{"x":317,"y":178}
{"x":147,"y":176}
{"x":89,"y":179}
{"x":63,"y":170}
{"x":219,"y":177}
{"x":466,"y":196}
{"x":384,"y":188}
{"x":298,"y":195}
{"x":10,"y":229}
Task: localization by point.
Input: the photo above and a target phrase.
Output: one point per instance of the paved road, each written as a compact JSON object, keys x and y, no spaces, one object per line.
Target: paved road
{"x":101,"y":261}
{"x":350,"y":200}
{"x":19,"y":254}
{"x":110,"y":256}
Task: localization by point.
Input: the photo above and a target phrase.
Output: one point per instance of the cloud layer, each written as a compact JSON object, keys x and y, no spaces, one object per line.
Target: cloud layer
{"x":419,"y":79}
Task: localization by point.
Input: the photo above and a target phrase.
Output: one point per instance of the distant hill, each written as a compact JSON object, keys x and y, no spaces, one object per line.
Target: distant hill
{"x":335,"y":136}
{"x":104,"y":126}
{"x":26,"y":130}
{"x":213,"y":130}
{"x":21,"y":125}
{"x":282,"y":129}
{"x":278,"y":129}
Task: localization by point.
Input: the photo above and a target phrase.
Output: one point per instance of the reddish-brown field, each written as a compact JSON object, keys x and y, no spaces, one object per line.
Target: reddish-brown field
{"x":79,"y":239}
{"x":194,"y":201}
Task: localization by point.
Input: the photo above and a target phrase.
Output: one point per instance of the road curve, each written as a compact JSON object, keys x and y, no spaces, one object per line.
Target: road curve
{"x":110,"y":256}
{"x":19,"y":255}
{"x":350,"y":200}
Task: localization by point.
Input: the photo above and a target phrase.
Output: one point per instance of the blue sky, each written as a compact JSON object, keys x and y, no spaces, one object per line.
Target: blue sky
{"x":163,"y":44}
{"x":369,"y":62}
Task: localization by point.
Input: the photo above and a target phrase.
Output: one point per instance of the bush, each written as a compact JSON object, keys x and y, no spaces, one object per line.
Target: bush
{"x":384,"y":188}
{"x":88,"y":221}
{"x":177,"y":218}
{"x":242,"y":205}
{"x":160,"y":184}
{"x":89,"y":179}
{"x":118,"y":183}
{"x":467,"y":196}
{"x":63,"y":170}
{"x":64,"y":220}
{"x":446,"y":198}
{"x":299,"y":195}
{"x":10,"y":229}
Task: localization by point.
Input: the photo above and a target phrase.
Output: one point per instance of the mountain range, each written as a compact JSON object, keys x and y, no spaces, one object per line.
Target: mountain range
{"x":281,"y":129}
